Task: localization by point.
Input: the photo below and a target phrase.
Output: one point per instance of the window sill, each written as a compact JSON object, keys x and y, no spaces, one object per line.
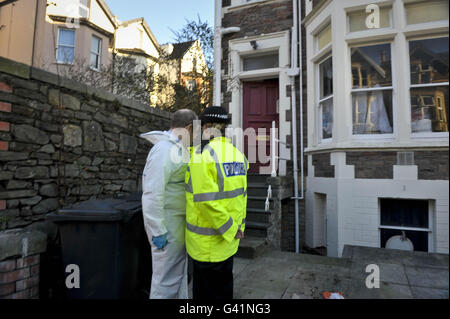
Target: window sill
{"x":428,"y":135}
{"x":372,"y":137}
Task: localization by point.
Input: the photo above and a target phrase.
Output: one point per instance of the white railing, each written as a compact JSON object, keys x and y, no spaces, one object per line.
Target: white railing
{"x":274,"y":142}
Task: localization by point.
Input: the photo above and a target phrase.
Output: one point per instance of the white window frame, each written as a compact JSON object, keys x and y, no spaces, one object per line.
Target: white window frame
{"x":98,"y":54}
{"x":429,"y":230}
{"x":418,"y":25}
{"x":392,"y":135}
{"x":413,"y":86}
{"x":65,"y":45}
{"x":324,"y":25}
{"x":319,"y":100}
{"x":362,"y":33}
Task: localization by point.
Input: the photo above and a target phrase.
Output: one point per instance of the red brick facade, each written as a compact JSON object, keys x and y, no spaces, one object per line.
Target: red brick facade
{"x":19,"y":278}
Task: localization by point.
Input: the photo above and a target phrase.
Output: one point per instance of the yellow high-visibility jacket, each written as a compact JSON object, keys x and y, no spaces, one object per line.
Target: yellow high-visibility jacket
{"x":216,"y":200}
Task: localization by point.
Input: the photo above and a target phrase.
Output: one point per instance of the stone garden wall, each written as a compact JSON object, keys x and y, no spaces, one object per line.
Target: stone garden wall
{"x":62,"y":142}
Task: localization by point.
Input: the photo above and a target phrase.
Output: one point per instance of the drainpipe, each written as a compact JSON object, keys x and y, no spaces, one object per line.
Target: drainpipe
{"x":218,"y":32}
{"x":293,"y":72}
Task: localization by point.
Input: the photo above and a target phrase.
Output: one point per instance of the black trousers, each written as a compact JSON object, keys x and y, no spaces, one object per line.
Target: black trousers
{"x":213,"y":280}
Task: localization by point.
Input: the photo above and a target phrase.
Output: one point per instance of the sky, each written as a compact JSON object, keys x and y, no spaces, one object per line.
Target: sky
{"x":161,"y":15}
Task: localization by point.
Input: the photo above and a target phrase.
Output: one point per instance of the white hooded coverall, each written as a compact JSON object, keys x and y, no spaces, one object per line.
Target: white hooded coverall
{"x":164,"y":211}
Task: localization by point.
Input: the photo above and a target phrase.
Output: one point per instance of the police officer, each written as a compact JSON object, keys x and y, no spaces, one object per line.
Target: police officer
{"x":216,"y":202}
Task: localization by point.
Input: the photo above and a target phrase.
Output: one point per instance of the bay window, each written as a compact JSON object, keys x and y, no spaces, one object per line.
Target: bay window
{"x":372,"y":89}
{"x":325,"y":113}
{"x":429,"y":85}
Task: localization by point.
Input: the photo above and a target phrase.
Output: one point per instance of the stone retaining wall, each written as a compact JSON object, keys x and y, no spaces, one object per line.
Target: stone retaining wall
{"x":61,"y":142}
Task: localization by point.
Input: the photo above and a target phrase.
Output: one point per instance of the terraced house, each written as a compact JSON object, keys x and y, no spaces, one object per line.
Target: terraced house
{"x":84,"y":40}
{"x":364,"y":153}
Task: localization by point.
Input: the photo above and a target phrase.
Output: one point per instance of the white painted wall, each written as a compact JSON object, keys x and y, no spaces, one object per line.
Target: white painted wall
{"x":353,"y":205}
{"x":70,"y":8}
{"x":134,"y":36}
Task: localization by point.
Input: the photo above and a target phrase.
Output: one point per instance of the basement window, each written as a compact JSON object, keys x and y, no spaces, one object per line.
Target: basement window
{"x":405,"y":224}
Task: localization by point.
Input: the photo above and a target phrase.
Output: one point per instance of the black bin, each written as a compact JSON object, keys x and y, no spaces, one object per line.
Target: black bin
{"x":106,"y":239}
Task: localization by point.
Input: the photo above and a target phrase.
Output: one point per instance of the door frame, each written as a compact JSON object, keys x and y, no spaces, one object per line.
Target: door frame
{"x":274,"y":42}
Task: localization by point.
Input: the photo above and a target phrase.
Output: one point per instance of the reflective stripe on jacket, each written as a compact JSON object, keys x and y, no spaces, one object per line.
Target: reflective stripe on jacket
{"x":216,"y":200}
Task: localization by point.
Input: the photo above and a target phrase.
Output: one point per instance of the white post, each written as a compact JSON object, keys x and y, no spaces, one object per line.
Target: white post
{"x":273,"y":142}
{"x":217,"y":52}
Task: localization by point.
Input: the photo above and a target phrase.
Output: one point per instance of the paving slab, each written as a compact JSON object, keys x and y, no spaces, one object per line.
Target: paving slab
{"x":403,"y":275}
{"x":429,"y":293}
{"x":254,"y":293}
{"x":358,"y":290}
{"x":428,"y":277}
{"x":392,"y":273}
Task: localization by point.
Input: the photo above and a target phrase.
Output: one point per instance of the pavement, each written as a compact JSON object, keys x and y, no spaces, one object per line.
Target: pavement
{"x":286,"y":275}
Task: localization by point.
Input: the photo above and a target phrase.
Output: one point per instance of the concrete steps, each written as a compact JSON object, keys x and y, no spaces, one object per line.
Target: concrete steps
{"x":251,"y":247}
{"x":258,"y":220}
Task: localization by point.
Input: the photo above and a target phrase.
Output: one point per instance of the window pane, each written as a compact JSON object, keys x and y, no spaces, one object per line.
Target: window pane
{"x":261,"y":62}
{"x":66,"y":37}
{"x":358,"y":19}
{"x":65,"y":54}
{"x":324,"y":37}
{"x":429,"y":61}
{"x":429,"y":109}
{"x":95,"y":44}
{"x":419,"y":239}
{"x":426,"y":11}
{"x":327,"y":118}
{"x":372,"y":112}
{"x":406,"y":213}
{"x":326,"y":78}
{"x":95,"y":61}
{"x":371,"y":66}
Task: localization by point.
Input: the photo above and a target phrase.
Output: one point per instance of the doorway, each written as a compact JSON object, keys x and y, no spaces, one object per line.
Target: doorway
{"x":260,"y":109}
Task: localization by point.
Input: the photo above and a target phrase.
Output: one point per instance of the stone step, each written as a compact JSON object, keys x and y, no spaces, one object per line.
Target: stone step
{"x":257,"y":178}
{"x":258,"y":202}
{"x":251,"y":247}
{"x":257,"y":189}
{"x":258,"y":215}
{"x":256,"y":229}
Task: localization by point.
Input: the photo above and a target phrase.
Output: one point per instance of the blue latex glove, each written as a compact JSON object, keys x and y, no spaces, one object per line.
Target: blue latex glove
{"x":160,"y":242}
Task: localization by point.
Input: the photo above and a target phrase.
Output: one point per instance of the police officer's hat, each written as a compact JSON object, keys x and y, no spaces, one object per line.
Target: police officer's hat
{"x":215,"y":114}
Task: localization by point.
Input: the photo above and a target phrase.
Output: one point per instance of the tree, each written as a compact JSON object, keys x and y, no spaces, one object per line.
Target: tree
{"x":202,"y":31}
{"x":198,"y":30}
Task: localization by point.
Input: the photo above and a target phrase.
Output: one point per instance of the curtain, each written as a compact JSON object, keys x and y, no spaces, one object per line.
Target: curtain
{"x":370,"y":114}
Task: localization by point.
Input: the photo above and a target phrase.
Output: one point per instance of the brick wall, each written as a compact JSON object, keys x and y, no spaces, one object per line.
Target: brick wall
{"x":432,"y":165}
{"x":373,"y":164}
{"x":19,"y":278}
{"x":322,"y":165}
{"x":264,"y":18}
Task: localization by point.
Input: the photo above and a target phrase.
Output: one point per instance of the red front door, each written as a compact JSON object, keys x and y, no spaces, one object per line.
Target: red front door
{"x":260,"y":110}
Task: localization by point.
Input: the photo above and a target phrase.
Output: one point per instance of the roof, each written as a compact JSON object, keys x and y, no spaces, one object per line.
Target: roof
{"x":180,"y":49}
{"x":146,"y":28}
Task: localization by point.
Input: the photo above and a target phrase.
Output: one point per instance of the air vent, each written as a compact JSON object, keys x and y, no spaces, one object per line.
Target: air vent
{"x":405,"y":158}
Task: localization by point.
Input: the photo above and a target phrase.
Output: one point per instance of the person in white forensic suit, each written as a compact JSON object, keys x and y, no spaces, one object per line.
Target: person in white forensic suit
{"x":164,"y":205}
